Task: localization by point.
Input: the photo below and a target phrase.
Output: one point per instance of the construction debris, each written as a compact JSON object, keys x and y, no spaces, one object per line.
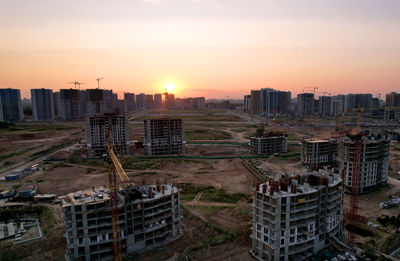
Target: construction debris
{"x":391,"y":203}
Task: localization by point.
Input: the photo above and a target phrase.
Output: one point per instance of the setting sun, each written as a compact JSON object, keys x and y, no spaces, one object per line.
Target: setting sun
{"x":170,"y":87}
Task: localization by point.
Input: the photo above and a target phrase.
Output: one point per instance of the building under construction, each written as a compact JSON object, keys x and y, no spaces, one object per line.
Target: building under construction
{"x":296,"y":217}
{"x":269,"y":144}
{"x":149,"y":217}
{"x":318,"y":152}
{"x":373,"y":160}
{"x":164,"y":136}
{"x":97,"y":127}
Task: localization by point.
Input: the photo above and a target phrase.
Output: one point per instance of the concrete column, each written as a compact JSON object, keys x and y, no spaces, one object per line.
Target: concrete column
{"x":74,"y":231}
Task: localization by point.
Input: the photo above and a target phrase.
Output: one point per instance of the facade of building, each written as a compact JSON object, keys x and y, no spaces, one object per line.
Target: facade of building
{"x":294,"y":217}
{"x":164,"y":136}
{"x":325,"y":106}
{"x":158,"y":101}
{"x":141,"y":101}
{"x":392,"y":114}
{"x":170,"y":102}
{"x":338,"y":104}
{"x":130,"y":105}
{"x":72,"y":104}
{"x":149,"y":103}
{"x":318,"y":152}
{"x":11,"y":105}
{"x":97,"y":127}
{"x":42,"y":104}
{"x":56,"y":103}
{"x":255,"y":101}
{"x":305,"y":104}
{"x":393,"y":100}
{"x":99,"y":101}
{"x":149,"y":217}
{"x":269,"y":144}
{"x":374,"y":161}
{"x":274,"y":103}
{"x":247,"y":103}
{"x":352,"y":101}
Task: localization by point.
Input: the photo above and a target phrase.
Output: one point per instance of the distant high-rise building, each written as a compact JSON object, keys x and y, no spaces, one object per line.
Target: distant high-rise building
{"x":305,"y":104}
{"x":247,"y":103}
{"x":120,"y":106}
{"x":338,"y":104}
{"x":158,"y":101}
{"x":352,"y":101}
{"x":130,"y":105}
{"x":393,"y":99}
{"x":72,"y":104}
{"x":42,"y":104}
{"x":170,"y":102}
{"x":11,"y":105}
{"x":149,"y":101}
{"x":56,"y":104}
{"x":255,"y":101}
{"x":141,"y":102}
{"x":97,"y":127}
{"x":325,"y":106}
{"x":274,"y":102}
{"x":100,"y":101}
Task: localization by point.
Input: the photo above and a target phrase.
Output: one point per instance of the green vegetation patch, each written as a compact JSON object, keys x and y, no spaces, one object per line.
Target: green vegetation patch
{"x":207,"y":134}
{"x":288,"y":156}
{"x":52,"y":149}
{"x":16,"y":153}
{"x":189,"y":191}
{"x":210,"y":193}
{"x":142,"y":164}
{"x":219,"y":195}
{"x":29,"y":127}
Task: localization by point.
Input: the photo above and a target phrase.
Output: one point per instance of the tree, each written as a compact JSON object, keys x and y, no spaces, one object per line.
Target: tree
{"x":260,"y":131}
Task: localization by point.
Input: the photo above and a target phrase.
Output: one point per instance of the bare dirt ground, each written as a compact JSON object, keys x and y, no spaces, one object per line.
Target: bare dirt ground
{"x":369,"y":203}
{"x":216,"y":150}
{"x":65,"y":178}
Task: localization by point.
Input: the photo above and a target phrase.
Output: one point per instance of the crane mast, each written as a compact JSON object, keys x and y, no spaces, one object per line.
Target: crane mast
{"x":115,"y":167}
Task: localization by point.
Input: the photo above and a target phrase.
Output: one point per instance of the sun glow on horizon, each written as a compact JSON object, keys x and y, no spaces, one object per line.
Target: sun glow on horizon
{"x":170,"y":87}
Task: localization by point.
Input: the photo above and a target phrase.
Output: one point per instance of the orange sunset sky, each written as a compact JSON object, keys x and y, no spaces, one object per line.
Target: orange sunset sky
{"x":212,"y":48}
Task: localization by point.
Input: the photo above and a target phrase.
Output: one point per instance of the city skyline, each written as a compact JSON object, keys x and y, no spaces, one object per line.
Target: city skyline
{"x":206,"y":47}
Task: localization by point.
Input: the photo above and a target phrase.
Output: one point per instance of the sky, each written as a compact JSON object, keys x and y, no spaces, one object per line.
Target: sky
{"x":211,"y":48}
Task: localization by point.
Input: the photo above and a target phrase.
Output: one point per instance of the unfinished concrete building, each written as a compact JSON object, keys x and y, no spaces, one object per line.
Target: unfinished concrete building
{"x":296,"y":217}
{"x":164,"y":136}
{"x":318,"y":152}
{"x":149,"y":217}
{"x":97,"y":127}
{"x":269,"y":144}
{"x":374,"y":161}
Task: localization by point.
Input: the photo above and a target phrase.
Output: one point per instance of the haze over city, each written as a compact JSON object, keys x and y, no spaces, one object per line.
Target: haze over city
{"x":206,"y":48}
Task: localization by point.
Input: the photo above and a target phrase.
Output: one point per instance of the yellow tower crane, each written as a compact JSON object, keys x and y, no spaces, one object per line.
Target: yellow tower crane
{"x":114,"y":166}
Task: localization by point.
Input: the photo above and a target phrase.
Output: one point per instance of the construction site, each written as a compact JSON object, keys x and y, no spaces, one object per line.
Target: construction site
{"x":318,"y":152}
{"x":269,"y":144}
{"x":97,"y":127}
{"x":373,"y":157}
{"x":164,"y":136}
{"x":149,"y":216}
{"x":294,"y":217}
{"x":215,"y":179}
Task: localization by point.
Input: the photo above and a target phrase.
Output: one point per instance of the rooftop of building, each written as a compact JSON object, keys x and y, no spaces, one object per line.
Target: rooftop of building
{"x":271,"y":134}
{"x":300,"y":184}
{"x":367,"y":136}
{"x":317,"y":140}
{"x":101,"y":194}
